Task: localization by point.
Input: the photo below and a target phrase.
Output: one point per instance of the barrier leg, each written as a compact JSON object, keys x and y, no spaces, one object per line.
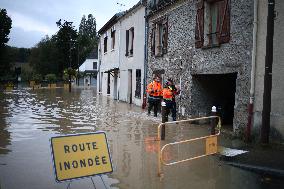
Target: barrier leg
{"x":213,"y":121}
{"x":164,"y":119}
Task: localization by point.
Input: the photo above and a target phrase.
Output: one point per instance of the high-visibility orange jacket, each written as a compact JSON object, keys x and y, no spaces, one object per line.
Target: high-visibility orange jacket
{"x":169,"y":93}
{"x":154,"y":89}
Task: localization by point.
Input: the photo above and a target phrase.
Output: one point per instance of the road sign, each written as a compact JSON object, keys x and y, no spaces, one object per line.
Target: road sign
{"x":83,"y":155}
{"x":211,"y":145}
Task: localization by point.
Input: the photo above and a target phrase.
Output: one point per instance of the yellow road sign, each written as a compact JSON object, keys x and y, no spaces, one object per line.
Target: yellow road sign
{"x":83,"y":155}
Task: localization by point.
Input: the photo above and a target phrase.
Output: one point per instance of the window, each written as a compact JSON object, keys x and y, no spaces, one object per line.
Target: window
{"x":138,"y":84}
{"x":95,"y":65}
{"x":105,"y":43}
{"x":129,"y":42}
{"x":212,"y":23}
{"x":112,"y":39}
{"x":159,"y":37}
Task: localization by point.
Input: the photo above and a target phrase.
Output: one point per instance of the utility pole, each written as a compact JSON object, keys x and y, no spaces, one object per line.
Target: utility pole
{"x":70,"y":56}
{"x":265,"y":128}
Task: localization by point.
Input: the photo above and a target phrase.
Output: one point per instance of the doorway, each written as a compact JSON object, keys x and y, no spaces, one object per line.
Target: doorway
{"x":129,"y":93}
{"x":115,"y":86}
{"x":108,"y":83}
{"x":214,"y":90}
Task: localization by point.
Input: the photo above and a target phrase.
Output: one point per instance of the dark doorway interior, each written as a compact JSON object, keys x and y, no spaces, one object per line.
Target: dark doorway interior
{"x":215,"y":90}
{"x":108,"y":83}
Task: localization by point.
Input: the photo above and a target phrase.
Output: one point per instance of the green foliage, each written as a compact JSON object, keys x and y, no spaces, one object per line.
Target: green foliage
{"x":5,"y":26}
{"x":5,"y":63}
{"x":51,"y":78}
{"x":66,"y":39}
{"x":37,"y":78}
{"x":44,"y":57}
{"x":87,"y":37}
{"x":26,"y":75}
{"x":70,"y":71}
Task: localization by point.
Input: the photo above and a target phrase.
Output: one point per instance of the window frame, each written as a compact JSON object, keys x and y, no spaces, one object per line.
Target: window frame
{"x":105,"y":44}
{"x":204,"y":23}
{"x":159,"y":37}
{"x":112,"y":39}
{"x":138,"y":83}
{"x":95,"y":65}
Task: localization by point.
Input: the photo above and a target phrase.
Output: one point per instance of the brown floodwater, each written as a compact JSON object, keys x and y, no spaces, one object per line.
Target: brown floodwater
{"x":28,"y":119}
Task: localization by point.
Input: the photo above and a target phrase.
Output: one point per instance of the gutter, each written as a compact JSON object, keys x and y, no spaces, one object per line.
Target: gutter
{"x":252,"y":86}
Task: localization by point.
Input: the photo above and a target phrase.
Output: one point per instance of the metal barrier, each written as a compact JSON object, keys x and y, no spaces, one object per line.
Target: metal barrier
{"x":211,"y":142}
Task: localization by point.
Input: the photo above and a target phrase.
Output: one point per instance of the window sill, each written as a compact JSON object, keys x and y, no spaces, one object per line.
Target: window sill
{"x":158,"y":55}
{"x":211,"y":46}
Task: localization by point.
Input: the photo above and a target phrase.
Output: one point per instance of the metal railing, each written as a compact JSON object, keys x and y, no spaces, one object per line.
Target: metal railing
{"x":211,"y":142}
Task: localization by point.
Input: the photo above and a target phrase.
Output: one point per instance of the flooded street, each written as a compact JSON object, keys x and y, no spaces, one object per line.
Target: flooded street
{"x":28,"y":119}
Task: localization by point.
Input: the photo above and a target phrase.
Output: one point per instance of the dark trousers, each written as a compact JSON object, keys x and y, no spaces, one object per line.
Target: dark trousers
{"x":152,"y":102}
{"x":171,"y":107}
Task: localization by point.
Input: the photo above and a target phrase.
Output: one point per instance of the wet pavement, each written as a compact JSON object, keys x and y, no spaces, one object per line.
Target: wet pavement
{"x":28,"y":119}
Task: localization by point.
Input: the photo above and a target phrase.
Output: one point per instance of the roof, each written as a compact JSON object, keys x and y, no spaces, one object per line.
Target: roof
{"x":93,"y":54}
{"x":118,"y":16}
{"x":132,"y":8}
{"x":111,"y":22}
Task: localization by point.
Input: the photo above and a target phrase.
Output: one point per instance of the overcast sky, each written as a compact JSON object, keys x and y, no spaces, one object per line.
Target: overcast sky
{"x":33,"y":19}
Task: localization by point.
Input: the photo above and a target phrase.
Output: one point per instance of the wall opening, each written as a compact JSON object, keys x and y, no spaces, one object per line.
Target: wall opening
{"x":214,"y":90}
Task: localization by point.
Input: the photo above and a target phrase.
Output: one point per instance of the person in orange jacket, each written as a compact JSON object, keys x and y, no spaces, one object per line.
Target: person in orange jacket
{"x":154,"y":90}
{"x":169,"y":92}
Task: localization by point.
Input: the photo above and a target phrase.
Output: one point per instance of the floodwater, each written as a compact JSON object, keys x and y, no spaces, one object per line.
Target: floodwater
{"x":28,"y":119}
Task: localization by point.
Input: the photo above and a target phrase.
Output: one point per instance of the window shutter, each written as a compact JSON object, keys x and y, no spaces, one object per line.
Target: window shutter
{"x":165,"y":36}
{"x":158,"y":45}
{"x":132,"y":31}
{"x":127,"y":42}
{"x":153,"y":40}
{"x":224,"y":35}
{"x":199,"y":27}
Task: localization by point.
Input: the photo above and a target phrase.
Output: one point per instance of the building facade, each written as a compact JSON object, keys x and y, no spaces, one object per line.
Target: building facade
{"x":109,"y":53}
{"x":205,"y":47}
{"x":277,"y":97}
{"x":89,"y":69}
{"x":122,"y":49}
{"x":132,"y":43}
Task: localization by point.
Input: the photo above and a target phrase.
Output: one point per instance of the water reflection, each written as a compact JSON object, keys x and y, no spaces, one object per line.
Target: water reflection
{"x":4,"y":133}
{"x":28,"y":119}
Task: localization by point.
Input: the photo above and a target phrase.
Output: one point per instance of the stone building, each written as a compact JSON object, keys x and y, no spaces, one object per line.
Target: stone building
{"x":205,"y":46}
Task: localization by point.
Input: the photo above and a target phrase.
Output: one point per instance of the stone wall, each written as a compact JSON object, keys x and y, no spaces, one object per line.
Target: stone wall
{"x":184,"y":61}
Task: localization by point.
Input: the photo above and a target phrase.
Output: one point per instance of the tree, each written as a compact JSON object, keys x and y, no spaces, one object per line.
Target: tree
{"x":5,"y":26}
{"x":43,"y":58}
{"x":87,"y":37}
{"x":66,"y":44}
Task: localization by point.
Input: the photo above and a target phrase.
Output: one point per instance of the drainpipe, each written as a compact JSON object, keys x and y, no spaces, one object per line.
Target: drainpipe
{"x":252,"y":86}
{"x":118,"y":76}
{"x":145,"y":59}
{"x":99,"y":84}
{"x":265,"y":128}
